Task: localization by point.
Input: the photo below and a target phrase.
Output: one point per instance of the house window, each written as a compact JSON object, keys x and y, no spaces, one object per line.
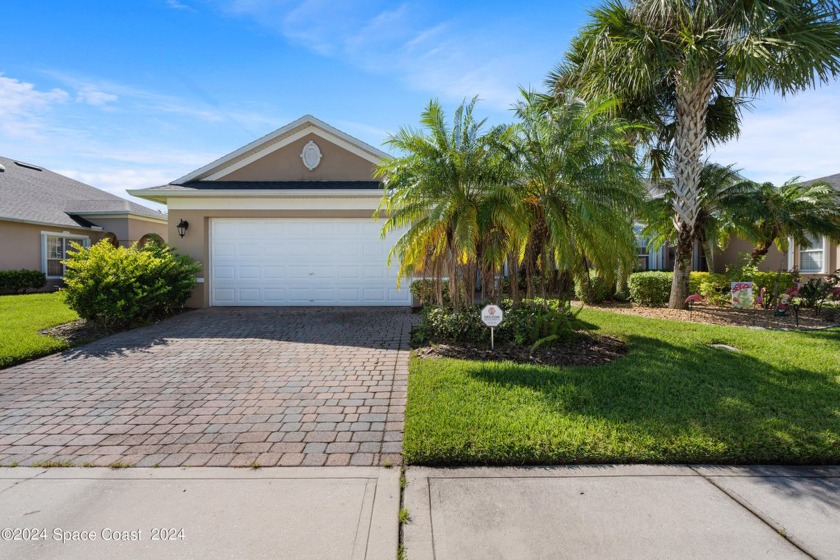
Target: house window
{"x":642,"y":258}
{"x":54,"y":250}
{"x":812,"y":255}
{"x":642,"y":253}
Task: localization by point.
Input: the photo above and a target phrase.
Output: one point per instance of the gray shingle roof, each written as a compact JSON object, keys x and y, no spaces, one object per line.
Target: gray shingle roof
{"x":268,"y":185}
{"x":32,"y":194}
{"x":833,"y":180}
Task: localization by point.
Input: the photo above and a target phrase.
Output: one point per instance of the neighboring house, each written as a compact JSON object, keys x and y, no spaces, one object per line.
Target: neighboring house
{"x":286,"y":220}
{"x":820,"y":257}
{"x":42,"y":213}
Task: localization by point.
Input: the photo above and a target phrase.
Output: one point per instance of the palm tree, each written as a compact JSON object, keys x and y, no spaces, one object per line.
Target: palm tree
{"x":689,"y":66}
{"x":723,"y":193}
{"x":579,"y":187}
{"x":438,"y":190}
{"x":775,"y":215}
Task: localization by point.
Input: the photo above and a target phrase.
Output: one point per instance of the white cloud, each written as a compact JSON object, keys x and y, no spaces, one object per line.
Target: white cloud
{"x":92,"y":96}
{"x":141,"y":141}
{"x":137,"y":100}
{"x":22,"y":107}
{"x":781,"y":139}
{"x":117,"y":180}
{"x":176,"y":5}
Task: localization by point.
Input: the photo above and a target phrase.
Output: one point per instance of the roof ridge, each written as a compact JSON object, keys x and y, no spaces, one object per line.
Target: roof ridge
{"x":277,"y":135}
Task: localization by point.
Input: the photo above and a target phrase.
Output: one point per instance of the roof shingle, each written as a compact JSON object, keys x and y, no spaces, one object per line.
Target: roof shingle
{"x":32,"y":194}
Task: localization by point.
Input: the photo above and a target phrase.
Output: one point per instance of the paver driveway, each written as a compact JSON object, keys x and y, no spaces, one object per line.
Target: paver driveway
{"x":218,"y":387}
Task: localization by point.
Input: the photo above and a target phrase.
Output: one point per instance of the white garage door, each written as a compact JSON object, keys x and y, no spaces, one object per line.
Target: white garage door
{"x":323,"y":261}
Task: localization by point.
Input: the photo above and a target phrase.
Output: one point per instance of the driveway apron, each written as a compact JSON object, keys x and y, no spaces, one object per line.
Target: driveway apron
{"x":218,"y":387}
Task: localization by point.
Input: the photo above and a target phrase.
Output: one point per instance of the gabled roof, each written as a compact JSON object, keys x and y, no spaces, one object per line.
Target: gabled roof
{"x":29,"y":193}
{"x":279,"y":137}
{"x":833,"y":180}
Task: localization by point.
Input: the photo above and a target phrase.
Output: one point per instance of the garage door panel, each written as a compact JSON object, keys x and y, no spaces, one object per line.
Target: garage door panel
{"x":224,"y":272}
{"x":301,"y":262}
{"x":225,"y":249}
{"x":349,"y":294}
{"x":373,"y":294}
{"x":249,"y":272}
{"x":349,"y":271}
{"x":275,"y":296}
{"x":224,"y":296}
{"x":370,"y":272}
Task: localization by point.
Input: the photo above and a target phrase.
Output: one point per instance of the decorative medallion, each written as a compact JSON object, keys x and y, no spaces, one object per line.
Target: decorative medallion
{"x":311,"y":155}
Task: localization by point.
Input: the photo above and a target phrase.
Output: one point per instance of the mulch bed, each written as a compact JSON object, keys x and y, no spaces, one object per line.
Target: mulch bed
{"x":761,"y":318}
{"x":77,"y":332}
{"x":583,"y":350}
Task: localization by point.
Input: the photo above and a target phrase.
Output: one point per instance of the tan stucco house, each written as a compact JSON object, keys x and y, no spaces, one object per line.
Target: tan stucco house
{"x":821,"y":257}
{"x":42,"y":213}
{"x":285,"y":220}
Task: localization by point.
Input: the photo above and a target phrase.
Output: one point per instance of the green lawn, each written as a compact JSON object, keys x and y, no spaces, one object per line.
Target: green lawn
{"x":672,"y":399}
{"x":21,"y":317}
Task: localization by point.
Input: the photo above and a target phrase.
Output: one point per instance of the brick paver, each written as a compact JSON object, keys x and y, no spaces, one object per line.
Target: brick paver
{"x":218,"y":387}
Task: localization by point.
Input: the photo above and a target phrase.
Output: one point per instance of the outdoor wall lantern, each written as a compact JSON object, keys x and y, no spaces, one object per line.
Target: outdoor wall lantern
{"x":182,"y":226}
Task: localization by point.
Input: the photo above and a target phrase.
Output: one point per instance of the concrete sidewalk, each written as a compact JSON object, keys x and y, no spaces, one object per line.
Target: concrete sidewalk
{"x":630,"y":511}
{"x":201,"y":513}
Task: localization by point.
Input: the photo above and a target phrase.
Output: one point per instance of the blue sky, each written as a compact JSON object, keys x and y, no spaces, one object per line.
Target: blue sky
{"x":135,"y":93}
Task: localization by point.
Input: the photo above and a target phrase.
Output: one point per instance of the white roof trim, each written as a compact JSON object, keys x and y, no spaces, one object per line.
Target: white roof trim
{"x":261,"y":193}
{"x":276,"y":140}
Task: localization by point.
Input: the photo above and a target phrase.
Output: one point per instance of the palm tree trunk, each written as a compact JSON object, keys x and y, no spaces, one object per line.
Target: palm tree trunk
{"x":513,"y":277}
{"x":682,"y":269}
{"x":438,"y":272}
{"x":709,"y":251}
{"x":760,"y":251}
{"x":692,"y":105}
{"x":453,"y":272}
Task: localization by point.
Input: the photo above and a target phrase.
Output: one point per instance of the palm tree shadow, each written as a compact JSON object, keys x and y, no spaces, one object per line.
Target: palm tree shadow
{"x":741,"y":409}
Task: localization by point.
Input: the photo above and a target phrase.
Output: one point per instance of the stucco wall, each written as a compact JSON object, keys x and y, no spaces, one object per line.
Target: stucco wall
{"x":196,"y":242}
{"x":775,"y":260}
{"x":284,"y":164}
{"x":138,"y":228}
{"x":20,"y":245}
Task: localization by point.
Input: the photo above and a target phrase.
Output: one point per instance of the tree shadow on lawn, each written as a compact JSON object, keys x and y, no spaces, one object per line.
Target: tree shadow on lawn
{"x":725,"y":407}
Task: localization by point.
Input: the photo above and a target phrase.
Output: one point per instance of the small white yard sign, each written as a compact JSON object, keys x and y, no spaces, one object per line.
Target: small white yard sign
{"x":492,"y":316}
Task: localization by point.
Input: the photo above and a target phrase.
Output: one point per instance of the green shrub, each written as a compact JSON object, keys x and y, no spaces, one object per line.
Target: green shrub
{"x":424,"y":292}
{"x":533,"y":321}
{"x":593,"y":289}
{"x":650,"y":288}
{"x":695,"y":279}
{"x":121,"y":287}
{"x":767,"y":279}
{"x":814,"y":292}
{"x":19,"y":281}
{"x":715,"y":289}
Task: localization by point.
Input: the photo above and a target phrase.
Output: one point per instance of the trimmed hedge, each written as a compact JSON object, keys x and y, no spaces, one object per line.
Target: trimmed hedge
{"x":121,"y":287}
{"x":654,"y":288}
{"x":650,"y":288}
{"x":19,"y":281}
